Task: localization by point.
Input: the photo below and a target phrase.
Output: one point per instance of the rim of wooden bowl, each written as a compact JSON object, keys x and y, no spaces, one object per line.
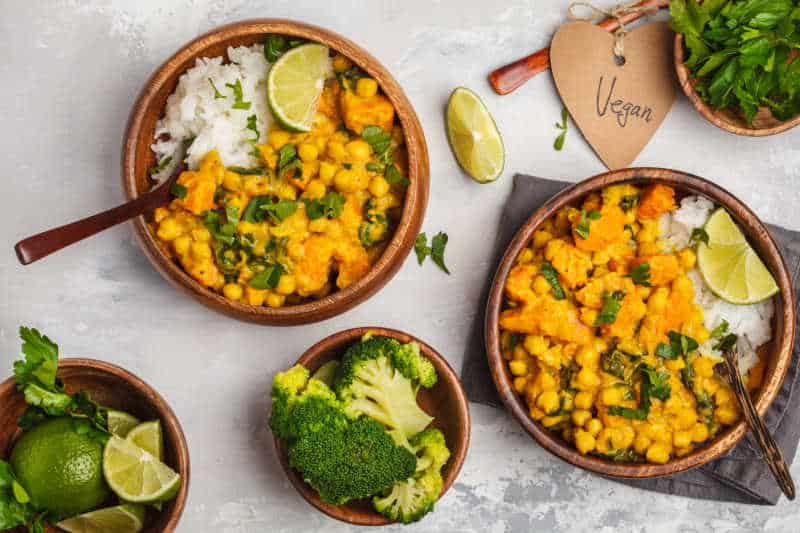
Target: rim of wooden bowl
{"x":149,"y":107}
{"x":174,"y":438}
{"x":725,"y":119}
{"x":352,"y":512}
{"x":783,"y":332}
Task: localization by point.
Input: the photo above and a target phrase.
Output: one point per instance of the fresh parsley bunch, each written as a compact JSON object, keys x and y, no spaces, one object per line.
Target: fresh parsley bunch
{"x":743,"y":53}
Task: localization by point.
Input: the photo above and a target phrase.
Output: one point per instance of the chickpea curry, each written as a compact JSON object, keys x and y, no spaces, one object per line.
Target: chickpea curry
{"x":601,"y":332}
{"x":312,"y":219}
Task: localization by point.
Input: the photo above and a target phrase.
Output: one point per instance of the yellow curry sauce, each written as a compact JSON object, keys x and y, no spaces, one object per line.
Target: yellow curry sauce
{"x":313,"y":219}
{"x":590,"y":304}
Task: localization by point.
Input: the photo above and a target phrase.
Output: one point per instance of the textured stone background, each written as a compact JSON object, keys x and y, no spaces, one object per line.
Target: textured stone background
{"x":71,"y":72}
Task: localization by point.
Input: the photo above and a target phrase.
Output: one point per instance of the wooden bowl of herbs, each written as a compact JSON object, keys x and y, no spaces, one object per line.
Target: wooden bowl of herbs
{"x":113,"y":388}
{"x":735,"y":66}
{"x":138,"y":159}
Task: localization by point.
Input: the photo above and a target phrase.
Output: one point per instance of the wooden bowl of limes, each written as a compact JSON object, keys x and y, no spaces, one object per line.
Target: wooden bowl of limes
{"x":115,"y":388}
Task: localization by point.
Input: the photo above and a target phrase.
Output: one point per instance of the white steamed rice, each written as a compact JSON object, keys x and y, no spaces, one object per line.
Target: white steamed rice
{"x":752,"y":323}
{"x":193,"y":111}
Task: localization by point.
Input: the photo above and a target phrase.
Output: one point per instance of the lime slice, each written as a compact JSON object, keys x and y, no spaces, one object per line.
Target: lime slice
{"x":474,"y":137}
{"x":148,"y":437}
{"x":135,"y":475}
{"x":128,"y":518}
{"x":120,"y":423}
{"x":729,"y":266}
{"x":295,"y":83}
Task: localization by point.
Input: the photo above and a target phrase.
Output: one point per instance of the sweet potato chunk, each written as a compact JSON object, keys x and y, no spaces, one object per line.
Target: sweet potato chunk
{"x":656,"y":200}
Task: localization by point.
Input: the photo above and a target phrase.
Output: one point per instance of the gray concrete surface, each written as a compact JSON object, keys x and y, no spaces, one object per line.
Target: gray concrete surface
{"x":70,"y":73}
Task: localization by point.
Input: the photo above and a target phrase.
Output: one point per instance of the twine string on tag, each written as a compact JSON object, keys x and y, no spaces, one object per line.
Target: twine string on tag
{"x":617,"y":12}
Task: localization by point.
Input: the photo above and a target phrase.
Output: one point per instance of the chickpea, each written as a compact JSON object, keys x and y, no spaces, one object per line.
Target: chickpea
{"x":683,"y":285}
{"x":275,"y":300}
{"x":326,"y":172}
{"x":584,"y":400}
{"x":657,"y":302}
{"x":286,"y":285}
{"x":687,"y":258}
{"x":548,"y":401}
{"x":518,"y":368}
{"x":658,"y":453}
{"x":160,"y":214}
{"x":587,"y":379}
{"x":336,"y":151}
{"x":232,"y":181}
{"x":540,"y":285}
{"x":704,"y":367}
{"x":201,"y":251}
{"x":255,"y":296}
{"x":536,"y":413}
{"x":550,"y":421}
{"x":308,"y":152}
{"x":168,"y":230}
{"x":584,"y":441}
{"x":278,"y":138}
{"x":366,"y":87}
{"x":547,"y":381}
{"x":182,"y":244}
{"x":358,"y":150}
{"x":594,"y":426}
{"x":536,"y":344}
{"x":587,"y":356}
{"x":315,"y":189}
{"x":681,"y":439}
{"x":519,"y":353}
{"x":580,"y":417}
{"x":232,"y":291}
{"x":519,"y":384}
{"x":378,"y":186}
{"x":201,"y":235}
{"x":641,"y":443}
{"x":341,"y":63}
{"x":611,"y":395}
{"x":699,"y":432}
{"x":726,"y":415}
{"x":541,"y":238}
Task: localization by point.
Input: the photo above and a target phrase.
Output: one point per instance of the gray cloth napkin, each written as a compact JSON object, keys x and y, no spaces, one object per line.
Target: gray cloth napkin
{"x":738,"y":476}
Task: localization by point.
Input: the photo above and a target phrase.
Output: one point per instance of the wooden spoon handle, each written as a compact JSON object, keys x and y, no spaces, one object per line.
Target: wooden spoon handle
{"x":509,"y":77}
{"x":772,"y":452}
{"x":45,"y":243}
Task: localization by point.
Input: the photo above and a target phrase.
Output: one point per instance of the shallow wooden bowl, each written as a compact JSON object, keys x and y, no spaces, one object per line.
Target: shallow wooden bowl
{"x":728,"y":119}
{"x":445,"y":401}
{"x":137,"y":158}
{"x":778,"y":351}
{"x":113,"y":387}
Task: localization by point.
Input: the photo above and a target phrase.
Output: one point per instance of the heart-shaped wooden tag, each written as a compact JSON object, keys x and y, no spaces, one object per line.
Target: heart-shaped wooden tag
{"x":617,"y":107}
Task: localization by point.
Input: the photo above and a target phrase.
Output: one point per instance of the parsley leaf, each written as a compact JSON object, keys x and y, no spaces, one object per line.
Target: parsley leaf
{"x":288,"y":160}
{"x":641,"y":274}
{"x":379,"y":139}
{"x":41,"y":360}
{"x":330,"y":205}
{"x":698,"y":235}
{"x":611,"y":306}
{"x":583,"y":226}
{"x":438,"y":244}
{"x":393,"y":175}
{"x":421,"y":247}
{"x":220,"y":231}
{"x":550,"y":274}
{"x":238,"y":95}
{"x":627,"y":412}
{"x":217,"y":94}
{"x":267,"y":278}
{"x":679,"y":344}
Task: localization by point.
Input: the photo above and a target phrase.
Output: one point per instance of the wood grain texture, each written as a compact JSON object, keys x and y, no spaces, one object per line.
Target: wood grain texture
{"x":777,"y":353}
{"x":773,"y":455}
{"x":446,"y":402}
{"x":510,"y":77}
{"x":730,"y":120}
{"x":117,"y":388}
{"x":137,"y":158}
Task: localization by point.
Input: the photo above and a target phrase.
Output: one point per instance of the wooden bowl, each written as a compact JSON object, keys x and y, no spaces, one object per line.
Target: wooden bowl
{"x":137,"y":158}
{"x":445,"y":401}
{"x":113,"y":387}
{"x":728,"y":119}
{"x":778,"y":352}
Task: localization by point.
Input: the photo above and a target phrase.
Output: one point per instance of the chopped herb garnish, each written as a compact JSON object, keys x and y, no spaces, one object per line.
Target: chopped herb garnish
{"x":393,"y":175}
{"x":288,"y":160}
{"x":726,"y":343}
{"x":217,"y":94}
{"x":436,"y":250}
{"x":267,"y":278}
{"x":720,"y":330}
{"x":550,"y":274}
{"x":222,"y":232}
{"x":375,"y":222}
{"x":280,"y":210}
{"x":274,"y":47}
{"x":374,"y":167}
{"x":640,"y":274}
{"x":611,"y":306}
{"x":558,"y":144}
{"x":613,"y":362}
{"x":421,"y":247}
{"x":238,"y":95}
{"x":232,"y":214}
{"x":629,"y":202}
{"x":679,"y":344}
{"x":583,"y":227}
{"x":255,"y":171}
{"x":155,"y":169}
{"x":379,"y":139}
{"x":178,"y":190}
{"x":698,"y":235}
{"x":627,"y":412}
{"x":252,"y":125}
{"x":330,"y":206}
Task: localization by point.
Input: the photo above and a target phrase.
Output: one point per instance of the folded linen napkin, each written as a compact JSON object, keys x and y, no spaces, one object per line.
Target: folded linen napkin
{"x":738,"y":476}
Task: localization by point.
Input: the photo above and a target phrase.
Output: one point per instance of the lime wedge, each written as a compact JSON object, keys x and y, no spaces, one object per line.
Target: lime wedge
{"x":474,"y":137}
{"x":128,"y":518}
{"x":120,"y":422}
{"x":295,"y":83}
{"x":730,"y":267}
{"x":148,"y":437}
{"x":135,"y":475}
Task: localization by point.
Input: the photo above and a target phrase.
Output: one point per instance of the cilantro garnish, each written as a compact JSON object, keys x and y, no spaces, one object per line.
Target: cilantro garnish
{"x":720,"y":330}
{"x":550,"y":274}
{"x":217,"y":94}
{"x":436,"y":249}
{"x":698,"y":235}
{"x":288,"y":160}
{"x":726,"y":343}
{"x":583,"y":226}
{"x":558,"y":144}
{"x":178,"y":190}
{"x":629,"y":202}
{"x":238,"y":95}
{"x":679,"y":344}
{"x":252,"y":125}
{"x":267,"y":278}
{"x":640,"y":274}
{"x":155,"y":169}
{"x":330,"y":205}
{"x":611,"y":306}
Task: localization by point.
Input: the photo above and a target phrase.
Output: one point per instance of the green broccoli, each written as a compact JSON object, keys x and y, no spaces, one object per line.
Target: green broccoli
{"x":413,"y":498}
{"x":415,"y":366}
{"x":368,"y":384}
{"x":294,"y":389}
{"x":353,"y":462}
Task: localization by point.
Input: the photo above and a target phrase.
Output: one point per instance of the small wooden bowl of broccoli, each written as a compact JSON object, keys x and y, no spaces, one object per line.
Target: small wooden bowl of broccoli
{"x":371,"y":426}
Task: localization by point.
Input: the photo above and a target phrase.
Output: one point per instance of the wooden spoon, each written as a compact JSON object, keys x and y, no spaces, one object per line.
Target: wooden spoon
{"x":45,"y":243}
{"x":772,"y":452}
{"x":509,"y":77}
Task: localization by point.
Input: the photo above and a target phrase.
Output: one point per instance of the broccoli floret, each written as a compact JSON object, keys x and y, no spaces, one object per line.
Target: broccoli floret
{"x":368,"y":384}
{"x":299,"y":401}
{"x":353,"y":462}
{"x":415,"y":366}
{"x":411,"y":499}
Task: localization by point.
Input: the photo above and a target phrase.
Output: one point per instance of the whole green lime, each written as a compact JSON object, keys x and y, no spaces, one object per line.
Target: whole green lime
{"x":61,"y":469}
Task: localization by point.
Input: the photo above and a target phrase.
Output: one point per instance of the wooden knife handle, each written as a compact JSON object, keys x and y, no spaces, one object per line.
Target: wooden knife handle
{"x":509,"y":77}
